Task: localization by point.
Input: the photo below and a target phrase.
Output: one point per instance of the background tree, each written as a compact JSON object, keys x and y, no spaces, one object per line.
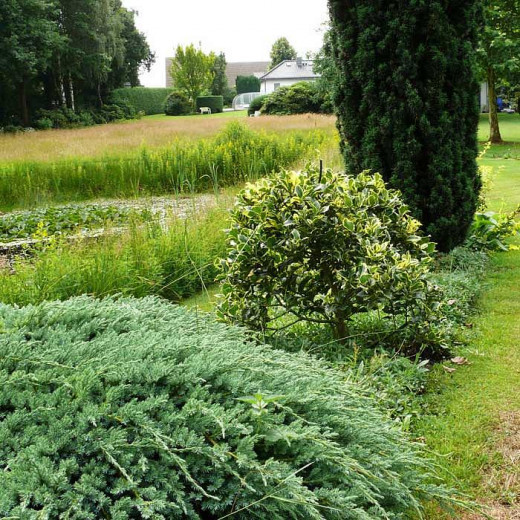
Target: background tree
{"x":406,"y":95}
{"x":219,"y":85}
{"x":137,"y":54}
{"x":28,"y":38}
{"x":280,"y":51}
{"x":191,"y":71}
{"x":499,"y":52}
{"x":66,"y":53}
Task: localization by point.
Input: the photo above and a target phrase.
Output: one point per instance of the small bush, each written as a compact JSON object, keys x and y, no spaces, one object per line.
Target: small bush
{"x":177,"y":104}
{"x":490,"y":231}
{"x":12,"y":129}
{"x":148,"y":100}
{"x":216,"y":103}
{"x":138,"y":409}
{"x":256,"y":105}
{"x":300,"y":98}
{"x":229,"y":95}
{"x":44,"y":123}
{"x":62,"y":117}
{"x":323,"y":250}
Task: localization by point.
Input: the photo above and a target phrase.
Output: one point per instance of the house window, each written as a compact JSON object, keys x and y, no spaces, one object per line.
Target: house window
{"x":276,"y":86}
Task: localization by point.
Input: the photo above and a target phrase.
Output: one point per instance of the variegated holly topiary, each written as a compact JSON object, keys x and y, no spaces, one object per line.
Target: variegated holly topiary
{"x":323,"y":248}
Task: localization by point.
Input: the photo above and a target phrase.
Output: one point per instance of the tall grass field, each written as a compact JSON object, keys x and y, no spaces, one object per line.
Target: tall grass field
{"x":237,"y":154}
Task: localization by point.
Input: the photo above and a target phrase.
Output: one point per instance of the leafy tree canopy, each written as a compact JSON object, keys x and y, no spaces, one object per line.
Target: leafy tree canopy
{"x":192,"y":71}
{"x":66,"y":53}
{"x":499,"y":52}
{"x":280,"y":51}
{"x":219,"y":85}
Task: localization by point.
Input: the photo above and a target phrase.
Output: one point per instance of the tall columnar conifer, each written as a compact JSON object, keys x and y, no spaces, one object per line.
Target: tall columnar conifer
{"x":406,"y":95}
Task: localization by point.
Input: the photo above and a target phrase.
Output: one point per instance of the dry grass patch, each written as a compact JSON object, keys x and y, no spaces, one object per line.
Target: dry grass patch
{"x":126,"y":137}
{"x":503,"y":479}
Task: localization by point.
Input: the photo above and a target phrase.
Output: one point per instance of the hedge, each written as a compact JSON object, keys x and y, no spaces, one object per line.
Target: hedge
{"x":134,"y":408}
{"x":143,"y":99}
{"x":247,"y":84}
{"x":216,"y":103}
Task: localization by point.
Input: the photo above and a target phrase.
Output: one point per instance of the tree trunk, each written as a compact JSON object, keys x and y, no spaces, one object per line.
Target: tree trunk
{"x":340,"y":329}
{"x":72,"y":97}
{"x":100,"y":98}
{"x":494,"y":129}
{"x":24,"y":109}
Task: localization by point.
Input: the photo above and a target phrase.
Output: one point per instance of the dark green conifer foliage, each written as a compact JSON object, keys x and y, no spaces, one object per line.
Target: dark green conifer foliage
{"x":406,"y":95}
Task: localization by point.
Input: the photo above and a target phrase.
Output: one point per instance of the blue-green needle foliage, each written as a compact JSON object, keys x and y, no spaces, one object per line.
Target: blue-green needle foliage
{"x":134,"y":408}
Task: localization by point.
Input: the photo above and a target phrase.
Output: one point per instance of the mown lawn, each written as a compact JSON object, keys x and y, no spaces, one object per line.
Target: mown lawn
{"x":476,"y":409}
{"x":223,"y":115}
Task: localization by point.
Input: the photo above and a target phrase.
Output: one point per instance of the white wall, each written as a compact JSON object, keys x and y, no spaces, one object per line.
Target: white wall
{"x":268,"y":85}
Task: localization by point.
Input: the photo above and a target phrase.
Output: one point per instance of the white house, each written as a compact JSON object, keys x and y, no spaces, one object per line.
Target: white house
{"x":287,"y":73}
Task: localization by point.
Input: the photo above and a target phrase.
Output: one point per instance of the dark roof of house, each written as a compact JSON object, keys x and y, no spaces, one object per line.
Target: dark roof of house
{"x":292,"y":69}
{"x":233,"y":69}
{"x":245,"y":68}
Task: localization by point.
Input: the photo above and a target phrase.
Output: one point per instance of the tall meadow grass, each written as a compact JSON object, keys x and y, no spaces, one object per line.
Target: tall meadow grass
{"x":173,"y":261}
{"x":235,"y":155}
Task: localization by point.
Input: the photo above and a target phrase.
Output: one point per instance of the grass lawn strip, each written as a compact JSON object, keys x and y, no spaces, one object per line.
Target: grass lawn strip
{"x":477,"y":419}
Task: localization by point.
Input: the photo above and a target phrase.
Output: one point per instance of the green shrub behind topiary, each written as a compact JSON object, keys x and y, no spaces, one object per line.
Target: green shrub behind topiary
{"x":323,"y":249}
{"x":177,"y":104}
{"x":138,"y":409}
{"x":216,"y":103}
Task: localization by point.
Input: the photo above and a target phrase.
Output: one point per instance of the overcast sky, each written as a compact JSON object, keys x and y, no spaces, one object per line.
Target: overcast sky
{"x":242,"y":29}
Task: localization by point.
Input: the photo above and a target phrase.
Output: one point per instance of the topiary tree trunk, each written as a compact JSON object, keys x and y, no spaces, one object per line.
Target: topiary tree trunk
{"x":406,"y":96}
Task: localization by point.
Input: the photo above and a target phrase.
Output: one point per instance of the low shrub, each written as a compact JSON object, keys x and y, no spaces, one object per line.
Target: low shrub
{"x":64,"y":117}
{"x":44,"y":123}
{"x":12,"y":129}
{"x":177,"y":104}
{"x":300,"y":98}
{"x":117,"y":112}
{"x":490,"y":230}
{"x":216,"y":103}
{"x":142,"y":99}
{"x":325,"y":248}
{"x":256,"y":105}
{"x":229,"y":95}
{"x":137,"y":409}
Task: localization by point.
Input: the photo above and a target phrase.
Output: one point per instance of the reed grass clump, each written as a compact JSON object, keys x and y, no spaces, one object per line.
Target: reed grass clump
{"x":235,"y":155}
{"x":134,"y":408}
{"x":173,"y":260}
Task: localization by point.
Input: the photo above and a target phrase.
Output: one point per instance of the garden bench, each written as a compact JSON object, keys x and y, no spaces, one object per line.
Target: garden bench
{"x":205,"y":110}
